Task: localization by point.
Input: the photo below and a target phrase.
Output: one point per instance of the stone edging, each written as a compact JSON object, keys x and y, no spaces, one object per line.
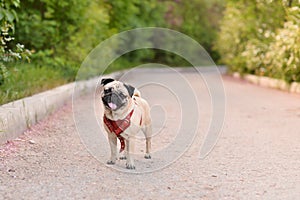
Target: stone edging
{"x":18,"y":116}
{"x":270,"y":82}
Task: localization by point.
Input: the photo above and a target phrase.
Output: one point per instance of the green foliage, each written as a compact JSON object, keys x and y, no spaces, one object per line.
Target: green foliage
{"x":48,"y":24}
{"x":130,"y":14}
{"x":250,"y":41}
{"x":9,"y":53}
{"x":90,"y":33}
{"x":63,"y":39}
{"x":47,"y":27}
{"x":282,"y":58}
{"x":61,"y":34}
{"x":197,"y":19}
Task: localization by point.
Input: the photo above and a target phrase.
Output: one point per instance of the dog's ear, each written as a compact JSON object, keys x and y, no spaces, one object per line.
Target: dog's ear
{"x":105,"y":81}
{"x":130,"y":89}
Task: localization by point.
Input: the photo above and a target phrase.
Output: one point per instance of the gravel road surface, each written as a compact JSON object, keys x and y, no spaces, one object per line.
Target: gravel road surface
{"x":256,"y":156}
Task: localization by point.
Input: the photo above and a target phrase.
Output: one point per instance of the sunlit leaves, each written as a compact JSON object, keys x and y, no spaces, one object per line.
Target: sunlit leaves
{"x":262,"y":38}
{"x":9,"y":53}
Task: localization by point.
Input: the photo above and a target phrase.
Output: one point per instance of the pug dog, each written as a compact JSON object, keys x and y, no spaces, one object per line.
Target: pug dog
{"x":125,"y":114}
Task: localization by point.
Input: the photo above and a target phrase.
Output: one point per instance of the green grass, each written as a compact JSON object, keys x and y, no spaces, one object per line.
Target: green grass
{"x":27,"y":79}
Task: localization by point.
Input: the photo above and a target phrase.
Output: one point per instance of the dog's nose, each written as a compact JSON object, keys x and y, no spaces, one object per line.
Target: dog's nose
{"x":108,"y":90}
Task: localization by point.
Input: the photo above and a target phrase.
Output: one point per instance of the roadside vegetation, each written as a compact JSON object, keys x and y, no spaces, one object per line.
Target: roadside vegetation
{"x":53,"y":37}
{"x":43,"y":42}
{"x":261,"y":37}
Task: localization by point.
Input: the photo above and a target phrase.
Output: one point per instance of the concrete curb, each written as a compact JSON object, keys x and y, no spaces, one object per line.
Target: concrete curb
{"x":270,"y":82}
{"x":18,"y":116}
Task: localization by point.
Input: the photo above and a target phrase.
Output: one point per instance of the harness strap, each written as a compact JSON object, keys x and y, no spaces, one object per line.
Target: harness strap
{"x":118,"y":127}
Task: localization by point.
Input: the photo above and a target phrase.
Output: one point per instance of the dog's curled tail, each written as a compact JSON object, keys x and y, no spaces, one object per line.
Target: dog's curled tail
{"x":137,"y":93}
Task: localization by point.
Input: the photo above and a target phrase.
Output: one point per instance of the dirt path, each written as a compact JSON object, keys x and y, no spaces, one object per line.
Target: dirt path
{"x":256,"y":157}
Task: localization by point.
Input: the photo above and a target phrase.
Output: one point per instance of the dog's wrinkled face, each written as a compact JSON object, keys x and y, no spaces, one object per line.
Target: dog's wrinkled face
{"x":115,"y":94}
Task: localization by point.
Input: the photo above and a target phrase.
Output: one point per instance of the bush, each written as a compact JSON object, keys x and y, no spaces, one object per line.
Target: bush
{"x":46,"y":27}
{"x":9,"y":52}
{"x":252,"y":42}
{"x":283,"y":55}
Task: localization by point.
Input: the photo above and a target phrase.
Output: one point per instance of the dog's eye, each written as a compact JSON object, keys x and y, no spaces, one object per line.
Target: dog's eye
{"x":108,"y":90}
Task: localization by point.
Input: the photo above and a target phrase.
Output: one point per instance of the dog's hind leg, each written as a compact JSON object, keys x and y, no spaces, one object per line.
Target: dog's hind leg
{"x":148,"y":134}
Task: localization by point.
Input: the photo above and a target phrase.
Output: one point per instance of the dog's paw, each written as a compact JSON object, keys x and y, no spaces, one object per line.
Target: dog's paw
{"x":122,"y":157}
{"x":111,"y":162}
{"x":147,"y":156}
{"x":130,"y":166}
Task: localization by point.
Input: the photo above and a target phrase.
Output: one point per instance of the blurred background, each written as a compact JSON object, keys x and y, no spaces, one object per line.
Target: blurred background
{"x":43,"y":42}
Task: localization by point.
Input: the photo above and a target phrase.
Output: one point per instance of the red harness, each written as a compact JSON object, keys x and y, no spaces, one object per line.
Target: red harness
{"x":119,"y":127}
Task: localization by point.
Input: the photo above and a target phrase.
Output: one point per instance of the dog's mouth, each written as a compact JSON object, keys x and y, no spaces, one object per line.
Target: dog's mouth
{"x":114,"y":101}
{"x":112,"y":106}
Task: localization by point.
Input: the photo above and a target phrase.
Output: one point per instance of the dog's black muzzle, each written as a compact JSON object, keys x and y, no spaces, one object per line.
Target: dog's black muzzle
{"x":113,"y":97}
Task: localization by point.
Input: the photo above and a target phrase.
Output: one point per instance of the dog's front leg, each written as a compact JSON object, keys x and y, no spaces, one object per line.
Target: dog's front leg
{"x":130,"y":153}
{"x":113,"y":148}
